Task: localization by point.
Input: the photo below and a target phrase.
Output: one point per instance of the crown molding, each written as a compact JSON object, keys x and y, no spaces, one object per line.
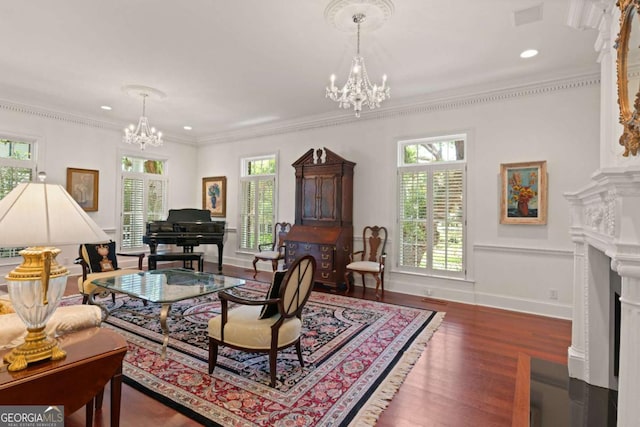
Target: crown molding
{"x":75,"y":119}
{"x":587,"y":14}
{"x":441,"y":103}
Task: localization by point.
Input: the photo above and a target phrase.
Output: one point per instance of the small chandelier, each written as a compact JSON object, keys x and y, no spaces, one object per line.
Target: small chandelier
{"x":358,"y":89}
{"x":142,"y":134}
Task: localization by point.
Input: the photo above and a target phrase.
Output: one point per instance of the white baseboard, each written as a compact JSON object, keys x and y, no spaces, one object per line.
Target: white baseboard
{"x":576,"y":364}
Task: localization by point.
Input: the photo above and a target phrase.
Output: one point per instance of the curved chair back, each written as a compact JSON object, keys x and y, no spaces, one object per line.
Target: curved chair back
{"x":280,"y":231}
{"x":297,"y":286}
{"x":374,"y":240}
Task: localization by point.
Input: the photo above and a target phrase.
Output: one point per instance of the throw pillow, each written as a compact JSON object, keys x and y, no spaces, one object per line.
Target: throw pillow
{"x":274,"y":291}
{"x":101,"y":257}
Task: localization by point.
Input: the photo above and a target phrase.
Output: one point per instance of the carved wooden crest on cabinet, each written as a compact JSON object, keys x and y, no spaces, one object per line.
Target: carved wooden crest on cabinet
{"x":324,"y":189}
{"x":324,"y":213}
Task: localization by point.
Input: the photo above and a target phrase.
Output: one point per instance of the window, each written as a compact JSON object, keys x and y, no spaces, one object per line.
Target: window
{"x":431,"y":216}
{"x":144,"y":198}
{"x":257,"y":204}
{"x":17,"y":164}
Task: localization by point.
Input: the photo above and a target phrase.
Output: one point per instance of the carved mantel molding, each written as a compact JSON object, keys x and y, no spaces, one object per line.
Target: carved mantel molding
{"x":606,"y":215}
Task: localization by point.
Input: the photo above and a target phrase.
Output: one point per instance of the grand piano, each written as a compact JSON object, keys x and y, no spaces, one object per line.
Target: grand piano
{"x":186,"y":228}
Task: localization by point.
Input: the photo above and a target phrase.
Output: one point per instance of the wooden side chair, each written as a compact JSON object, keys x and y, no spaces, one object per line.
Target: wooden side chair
{"x":274,"y":251}
{"x":266,"y":325}
{"x":370,"y":260}
{"x":99,"y":261}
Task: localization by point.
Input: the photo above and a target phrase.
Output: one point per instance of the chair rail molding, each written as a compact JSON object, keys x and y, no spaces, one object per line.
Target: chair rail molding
{"x":522,"y":250}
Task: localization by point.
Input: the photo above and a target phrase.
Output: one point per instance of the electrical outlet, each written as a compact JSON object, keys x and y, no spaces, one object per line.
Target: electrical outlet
{"x":553,"y":294}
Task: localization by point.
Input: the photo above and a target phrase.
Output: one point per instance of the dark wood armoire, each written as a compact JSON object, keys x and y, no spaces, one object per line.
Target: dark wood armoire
{"x":324,"y":214}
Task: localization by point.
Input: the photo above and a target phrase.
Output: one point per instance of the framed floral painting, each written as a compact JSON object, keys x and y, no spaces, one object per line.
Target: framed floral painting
{"x":524,"y":193}
{"x":82,"y":184}
{"x":214,"y":195}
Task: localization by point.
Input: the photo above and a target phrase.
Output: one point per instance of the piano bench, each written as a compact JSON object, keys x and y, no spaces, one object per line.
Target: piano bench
{"x":187,"y":259}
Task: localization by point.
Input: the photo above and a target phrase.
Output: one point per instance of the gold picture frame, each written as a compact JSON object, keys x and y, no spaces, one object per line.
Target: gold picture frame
{"x":83,"y":186}
{"x":627,"y":62}
{"x":524,"y":193}
{"x":214,"y":195}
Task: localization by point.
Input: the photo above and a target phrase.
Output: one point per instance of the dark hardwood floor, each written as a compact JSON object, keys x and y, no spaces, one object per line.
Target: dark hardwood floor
{"x":465,"y":377}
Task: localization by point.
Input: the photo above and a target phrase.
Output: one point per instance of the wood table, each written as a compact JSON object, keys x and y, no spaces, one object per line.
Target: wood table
{"x":94,"y":357}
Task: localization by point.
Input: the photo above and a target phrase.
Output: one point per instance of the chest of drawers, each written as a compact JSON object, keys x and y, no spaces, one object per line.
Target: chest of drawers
{"x":330,"y":246}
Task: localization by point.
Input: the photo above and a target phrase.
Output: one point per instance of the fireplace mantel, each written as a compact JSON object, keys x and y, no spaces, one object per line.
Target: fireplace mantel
{"x":605,"y":228}
{"x":606,"y":213}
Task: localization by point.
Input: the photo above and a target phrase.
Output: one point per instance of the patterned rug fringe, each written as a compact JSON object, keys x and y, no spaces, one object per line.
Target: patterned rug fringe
{"x":381,"y":398}
{"x":362,"y":352}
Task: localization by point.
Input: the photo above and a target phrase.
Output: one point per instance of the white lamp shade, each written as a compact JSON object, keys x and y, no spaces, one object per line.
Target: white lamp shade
{"x":38,"y":214}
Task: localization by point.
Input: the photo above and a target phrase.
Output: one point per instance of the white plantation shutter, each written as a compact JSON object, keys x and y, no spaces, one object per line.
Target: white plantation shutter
{"x":413,"y":218}
{"x":248,"y":214}
{"x":258,"y":201}
{"x":448,"y":219}
{"x":265,"y":210}
{"x":156,"y":200}
{"x":144,"y":199}
{"x":133,"y":226}
{"x":431,"y":183}
{"x":257,"y":211}
{"x":17,"y":165}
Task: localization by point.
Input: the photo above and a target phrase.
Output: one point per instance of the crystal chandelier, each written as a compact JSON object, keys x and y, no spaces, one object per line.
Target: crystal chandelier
{"x":143,"y":134}
{"x":358,"y":89}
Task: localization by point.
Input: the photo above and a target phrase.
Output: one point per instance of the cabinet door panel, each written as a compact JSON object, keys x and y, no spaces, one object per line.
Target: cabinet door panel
{"x":328,"y":197}
{"x":309,"y":193}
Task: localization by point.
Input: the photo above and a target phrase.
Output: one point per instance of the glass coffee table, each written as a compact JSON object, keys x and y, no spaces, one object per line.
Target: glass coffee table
{"x":163,"y":287}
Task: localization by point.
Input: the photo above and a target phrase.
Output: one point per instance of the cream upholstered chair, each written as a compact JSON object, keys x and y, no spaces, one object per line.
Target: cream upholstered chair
{"x":99,"y":261}
{"x":371,"y":259}
{"x":265,"y":325}
{"x":274,"y":251}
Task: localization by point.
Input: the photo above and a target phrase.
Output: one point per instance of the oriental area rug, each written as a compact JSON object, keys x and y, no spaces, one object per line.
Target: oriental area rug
{"x":357,"y":353}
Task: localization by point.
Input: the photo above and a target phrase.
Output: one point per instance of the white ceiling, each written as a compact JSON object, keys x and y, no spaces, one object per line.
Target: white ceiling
{"x":225,"y":65}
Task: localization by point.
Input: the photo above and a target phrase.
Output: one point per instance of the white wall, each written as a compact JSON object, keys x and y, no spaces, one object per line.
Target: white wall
{"x":89,"y":145}
{"x":509,"y":266}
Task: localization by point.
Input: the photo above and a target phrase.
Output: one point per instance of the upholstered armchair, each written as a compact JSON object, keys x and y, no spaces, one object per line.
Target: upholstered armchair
{"x":99,"y":261}
{"x":266,"y":325}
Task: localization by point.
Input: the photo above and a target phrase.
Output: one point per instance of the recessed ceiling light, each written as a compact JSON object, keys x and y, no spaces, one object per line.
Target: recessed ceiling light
{"x":187,"y":128}
{"x":529,"y":53}
{"x":106,"y":107}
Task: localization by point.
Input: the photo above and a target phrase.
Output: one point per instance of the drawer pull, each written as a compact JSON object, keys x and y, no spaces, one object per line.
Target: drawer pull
{"x":292,"y":245}
{"x":326,"y":249}
{"x":307,"y":246}
{"x":326,"y":265}
{"x":326,"y":256}
{"x":292,"y":253}
{"x":325,"y":275}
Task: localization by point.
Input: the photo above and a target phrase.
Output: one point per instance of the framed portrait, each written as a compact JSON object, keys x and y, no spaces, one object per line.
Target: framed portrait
{"x":82,"y":184}
{"x":214,"y":195}
{"x":524,"y":193}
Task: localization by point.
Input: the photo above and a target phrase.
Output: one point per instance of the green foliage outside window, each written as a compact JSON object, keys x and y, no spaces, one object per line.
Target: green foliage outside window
{"x":257,"y":210}
{"x":13,"y":173}
{"x":431,"y":211}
